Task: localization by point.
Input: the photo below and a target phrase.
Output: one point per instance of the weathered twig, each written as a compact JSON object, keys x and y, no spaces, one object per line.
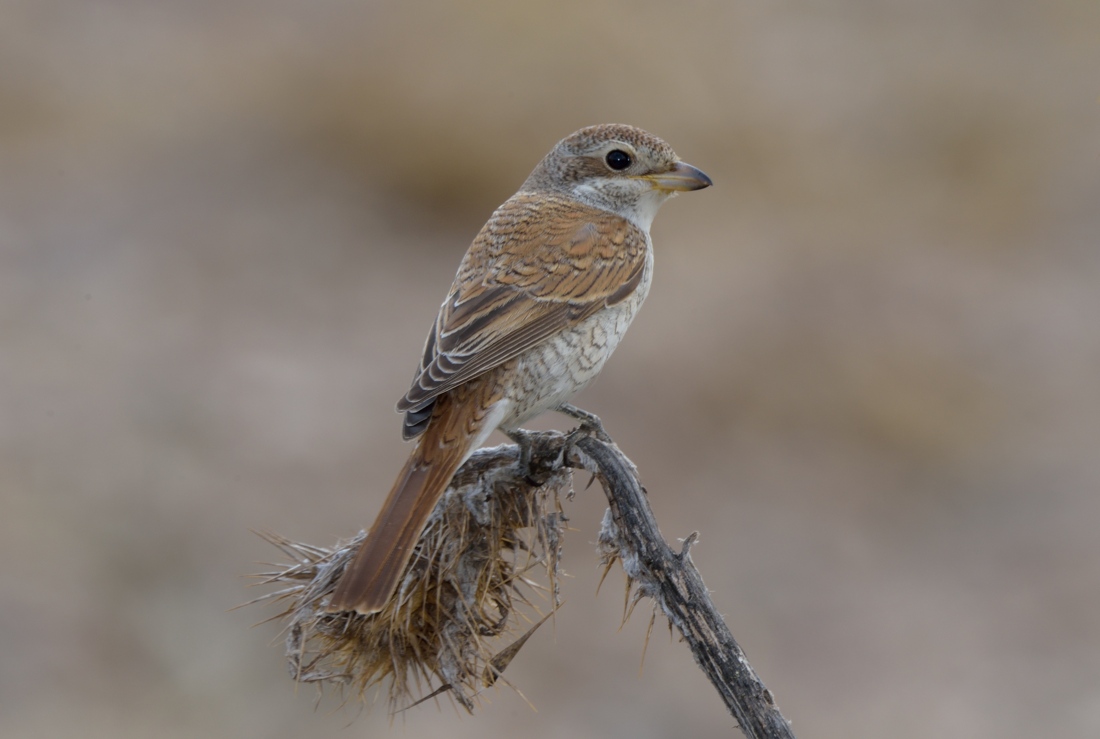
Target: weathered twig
{"x":630,"y":533}
{"x":472,"y":565}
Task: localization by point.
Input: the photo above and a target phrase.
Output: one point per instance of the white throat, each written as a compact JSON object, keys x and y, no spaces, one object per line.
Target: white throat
{"x":639,"y":210}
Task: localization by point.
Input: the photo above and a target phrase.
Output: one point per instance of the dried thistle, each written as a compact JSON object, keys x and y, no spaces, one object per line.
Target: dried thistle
{"x":493,"y":541}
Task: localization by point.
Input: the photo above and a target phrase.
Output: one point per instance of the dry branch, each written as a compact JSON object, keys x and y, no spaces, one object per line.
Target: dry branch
{"x":630,"y":535}
{"x":473,"y":574}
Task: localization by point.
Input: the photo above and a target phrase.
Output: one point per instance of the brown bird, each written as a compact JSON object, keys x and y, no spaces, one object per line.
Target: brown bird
{"x":540,"y":301}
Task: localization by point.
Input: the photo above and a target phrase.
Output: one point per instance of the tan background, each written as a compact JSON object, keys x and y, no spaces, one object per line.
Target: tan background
{"x":868,"y":372}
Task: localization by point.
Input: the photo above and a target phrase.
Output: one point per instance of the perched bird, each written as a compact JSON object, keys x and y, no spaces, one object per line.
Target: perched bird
{"x":541,"y":300}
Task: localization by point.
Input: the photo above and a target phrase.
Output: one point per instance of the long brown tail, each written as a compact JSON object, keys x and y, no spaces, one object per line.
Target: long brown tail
{"x":370,"y":579}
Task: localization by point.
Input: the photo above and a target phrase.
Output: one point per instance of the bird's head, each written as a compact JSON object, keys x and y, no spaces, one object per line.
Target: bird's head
{"x":617,"y":168}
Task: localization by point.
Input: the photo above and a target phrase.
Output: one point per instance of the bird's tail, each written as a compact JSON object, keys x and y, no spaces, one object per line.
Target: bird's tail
{"x":457,"y":426}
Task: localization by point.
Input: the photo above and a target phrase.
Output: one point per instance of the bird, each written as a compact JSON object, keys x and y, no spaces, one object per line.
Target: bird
{"x":541,"y":299}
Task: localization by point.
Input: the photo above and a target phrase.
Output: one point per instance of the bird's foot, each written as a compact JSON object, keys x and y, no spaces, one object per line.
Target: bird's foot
{"x":591,"y":425}
{"x":522,"y":439}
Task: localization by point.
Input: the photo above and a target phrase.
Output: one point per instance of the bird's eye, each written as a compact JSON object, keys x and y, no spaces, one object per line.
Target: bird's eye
{"x":618,"y":159}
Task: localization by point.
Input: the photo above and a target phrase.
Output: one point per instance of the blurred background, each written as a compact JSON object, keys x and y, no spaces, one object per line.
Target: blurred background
{"x":868,"y":372}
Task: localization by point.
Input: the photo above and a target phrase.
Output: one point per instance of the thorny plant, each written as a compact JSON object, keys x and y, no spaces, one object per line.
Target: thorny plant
{"x":489,"y":552}
{"x":468,"y":586}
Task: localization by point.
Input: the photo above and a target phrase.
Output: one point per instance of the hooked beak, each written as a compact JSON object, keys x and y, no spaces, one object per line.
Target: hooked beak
{"x":681,"y":178}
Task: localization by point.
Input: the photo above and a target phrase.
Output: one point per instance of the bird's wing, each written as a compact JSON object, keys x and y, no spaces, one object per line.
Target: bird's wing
{"x":539,"y":266}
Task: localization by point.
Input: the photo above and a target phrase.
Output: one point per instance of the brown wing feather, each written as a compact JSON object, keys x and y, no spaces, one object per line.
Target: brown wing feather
{"x":539,"y":266}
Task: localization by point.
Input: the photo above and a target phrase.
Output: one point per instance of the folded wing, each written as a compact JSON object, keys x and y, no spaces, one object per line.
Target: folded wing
{"x":546,"y":265}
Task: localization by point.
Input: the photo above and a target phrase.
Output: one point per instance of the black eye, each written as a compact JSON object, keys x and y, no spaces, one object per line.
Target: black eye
{"x":618,"y":159}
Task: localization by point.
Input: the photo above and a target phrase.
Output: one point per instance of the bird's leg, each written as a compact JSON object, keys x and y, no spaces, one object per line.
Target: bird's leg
{"x":522,"y":438}
{"x":591,"y":424}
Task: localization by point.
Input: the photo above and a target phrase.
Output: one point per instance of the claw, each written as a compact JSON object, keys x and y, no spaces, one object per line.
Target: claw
{"x":591,"y":425}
